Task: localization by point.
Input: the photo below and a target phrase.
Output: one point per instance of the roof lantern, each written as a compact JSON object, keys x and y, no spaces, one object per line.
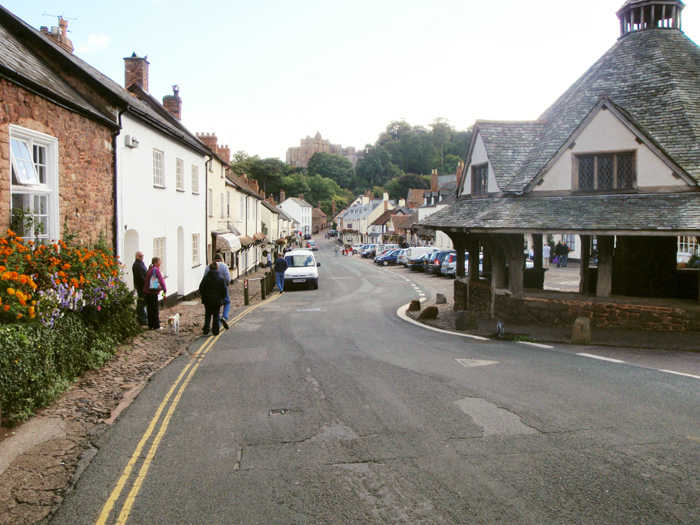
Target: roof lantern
{"x":639,"y":15}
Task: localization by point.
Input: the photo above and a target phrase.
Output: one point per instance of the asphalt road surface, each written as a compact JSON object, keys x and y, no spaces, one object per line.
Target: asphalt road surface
{"x":323,"y":406}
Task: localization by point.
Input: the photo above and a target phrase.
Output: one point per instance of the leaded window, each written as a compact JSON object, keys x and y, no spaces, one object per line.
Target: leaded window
{"x":602,"y":172}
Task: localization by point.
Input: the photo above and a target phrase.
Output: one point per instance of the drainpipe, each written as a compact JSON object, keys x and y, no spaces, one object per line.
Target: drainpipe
{"x":116,"y":194}
{"x":206,"y":205}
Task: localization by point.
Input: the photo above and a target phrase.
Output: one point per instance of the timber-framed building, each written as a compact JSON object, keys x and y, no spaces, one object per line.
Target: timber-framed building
{"x":616,"y":161}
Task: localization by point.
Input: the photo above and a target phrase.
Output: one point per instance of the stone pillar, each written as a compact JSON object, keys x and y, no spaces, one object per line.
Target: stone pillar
{"x":585,"y":263}
{"x":606,"y":245}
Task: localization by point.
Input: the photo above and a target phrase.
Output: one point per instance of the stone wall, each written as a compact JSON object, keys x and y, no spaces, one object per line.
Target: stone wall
{"x":85,"y":161}
{"x":629,"y":314}
{"x":615,"y":312}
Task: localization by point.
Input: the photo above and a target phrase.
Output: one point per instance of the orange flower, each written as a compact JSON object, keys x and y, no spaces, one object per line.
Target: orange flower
{"x":19,"y":316}
{"x":10,"y":291}
{"x":2,"y":268}
{"x":6,"y":307}
{"x":28,"y":257}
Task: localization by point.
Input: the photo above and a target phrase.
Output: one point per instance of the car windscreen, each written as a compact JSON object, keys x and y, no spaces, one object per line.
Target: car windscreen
{"x":299,"y":261}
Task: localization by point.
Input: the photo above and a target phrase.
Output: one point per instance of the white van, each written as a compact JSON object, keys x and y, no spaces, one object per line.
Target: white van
{"x":415,"y":251}
{"x":302,"y":269}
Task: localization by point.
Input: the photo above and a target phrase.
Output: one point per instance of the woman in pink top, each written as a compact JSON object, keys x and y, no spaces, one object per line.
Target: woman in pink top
{"x":151,"y":292}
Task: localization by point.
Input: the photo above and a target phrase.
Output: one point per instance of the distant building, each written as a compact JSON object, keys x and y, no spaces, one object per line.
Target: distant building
{"x":300,"y":156}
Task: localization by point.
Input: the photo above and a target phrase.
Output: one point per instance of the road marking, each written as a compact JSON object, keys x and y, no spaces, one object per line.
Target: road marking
{"x":538,"y":345}
{"x":309,"y":310}
{"x":475,"y":362}
{"x":195,"y":361}
{"x":680,"y":374}
{"x":601,"y":358}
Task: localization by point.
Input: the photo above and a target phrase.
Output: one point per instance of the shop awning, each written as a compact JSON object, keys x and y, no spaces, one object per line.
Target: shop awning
{"x":227,"y":242}
{"x":245,"y":241}
{"x":259,"y":237}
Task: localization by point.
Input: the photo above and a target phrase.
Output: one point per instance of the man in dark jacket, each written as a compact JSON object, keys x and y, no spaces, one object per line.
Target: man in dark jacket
{"x":213,"y":290}
{"x":280,"y":268}
{"x":559,"y":251}
{"x":139,"y":271}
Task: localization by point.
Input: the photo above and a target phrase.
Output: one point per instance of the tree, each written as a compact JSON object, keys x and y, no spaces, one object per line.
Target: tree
{"x":375,"y":169}
{"x":442,"y":133}
{"x":398,"y":187}
{"x":332,"y":166}
{"x":268,"y":172}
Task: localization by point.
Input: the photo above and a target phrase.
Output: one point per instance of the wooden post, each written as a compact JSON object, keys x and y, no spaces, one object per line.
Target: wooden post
{"x":474,"y":258}
{"x":537,"y":248}
{"x":246,"y":297}
{"x":606,"y":245}
{"x":585,"y":263}
{"x":263,"y":287}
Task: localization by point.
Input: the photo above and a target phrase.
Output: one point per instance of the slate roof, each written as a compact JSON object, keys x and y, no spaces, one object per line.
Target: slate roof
{"x":415,"y":197}
{"x":317,"y":212}
{"x":508,"y":145}
{"x":270,"y":207}
{"x":383,"y":218}
{"x":672,"y":213}
{"x":652,"y":75}
{"x":300,"y":202}
{"x":402,"y":222}
{"x":238,"y":182}
{"x":20,"y":64}
{"x":147,"y":109}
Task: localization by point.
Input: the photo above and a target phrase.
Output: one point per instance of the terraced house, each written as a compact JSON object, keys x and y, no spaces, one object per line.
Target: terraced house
{"x":615,"y":161}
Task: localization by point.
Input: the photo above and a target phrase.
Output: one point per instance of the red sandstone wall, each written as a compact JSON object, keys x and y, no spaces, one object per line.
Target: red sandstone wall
{"x":85,"y":164}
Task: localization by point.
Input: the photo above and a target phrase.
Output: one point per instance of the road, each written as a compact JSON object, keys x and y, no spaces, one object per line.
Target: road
{"x":323,"y":406}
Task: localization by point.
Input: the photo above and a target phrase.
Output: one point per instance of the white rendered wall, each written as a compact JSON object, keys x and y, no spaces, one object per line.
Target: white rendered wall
{"x":479,"y":156}
{"x":148,"y":212}
{"x":605,"y":133}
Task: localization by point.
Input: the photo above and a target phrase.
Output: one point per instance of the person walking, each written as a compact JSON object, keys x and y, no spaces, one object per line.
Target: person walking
{"x":546,"y":254}
{"x":154,"y":285}
{"x":213,"y":290}
{"x":280,"y":267}
{"x":565,"y":255}
{"x":269,"y":259}
{"x":223,"y":270}
{"x":559,"y":253}
{"x":139,"y":271}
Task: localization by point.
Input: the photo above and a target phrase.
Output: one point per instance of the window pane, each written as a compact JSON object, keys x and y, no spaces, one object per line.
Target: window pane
{"x":605,"y":172}
{"x":40,"y":162}
{"x":625,"y":171}
{"x":586,"y":173}
{"x":25,"y":171}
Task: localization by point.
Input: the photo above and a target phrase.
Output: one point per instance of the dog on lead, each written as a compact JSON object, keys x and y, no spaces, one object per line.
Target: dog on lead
{"x":174,"y":324}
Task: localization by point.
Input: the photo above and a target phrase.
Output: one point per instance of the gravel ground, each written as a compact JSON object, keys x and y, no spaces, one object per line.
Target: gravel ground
{"x":36,"y":482}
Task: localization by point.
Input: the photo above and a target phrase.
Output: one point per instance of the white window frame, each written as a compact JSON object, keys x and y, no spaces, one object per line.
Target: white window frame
{"x":159,"y":251}
{"x":687,"y":244}
{"x":222,"y":205}
{"x":195,"y":179}
{"x":158,"y":168}
{"x":228,"y":204}
{"x":179,"y":175}
{"x":36,"y":189}
{"x":210,"y":202}
{"x":195,"y":250}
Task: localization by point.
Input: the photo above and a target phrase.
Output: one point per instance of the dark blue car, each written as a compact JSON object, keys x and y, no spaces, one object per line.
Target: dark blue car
{"x":389,"y":258}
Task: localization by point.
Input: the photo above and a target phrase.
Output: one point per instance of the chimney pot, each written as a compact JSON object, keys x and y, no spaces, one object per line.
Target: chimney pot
{"x":173,"y":103}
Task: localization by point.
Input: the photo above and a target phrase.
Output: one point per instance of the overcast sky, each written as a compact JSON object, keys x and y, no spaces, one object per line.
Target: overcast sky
{"x":262,"y":74}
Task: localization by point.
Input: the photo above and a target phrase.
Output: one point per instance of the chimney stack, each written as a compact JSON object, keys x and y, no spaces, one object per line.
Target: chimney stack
{"x":225,"y":153}
{"x":173,"y":103}
{"x":136,"y":71}
{"x":301,"y":196}
{"x":460,"y":171}
{"x":59,"y":34}
{"x":434,"y":180}
{"x":210,"y":140}
{"x":282,"y":197}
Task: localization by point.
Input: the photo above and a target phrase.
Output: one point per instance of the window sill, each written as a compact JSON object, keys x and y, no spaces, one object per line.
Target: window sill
{"x":159,"y":187}
{"x":180,"y":190}
{"x":197,"y":265}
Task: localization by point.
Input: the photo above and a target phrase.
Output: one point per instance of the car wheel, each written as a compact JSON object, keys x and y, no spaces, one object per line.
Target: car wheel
{"x":386,"y":263}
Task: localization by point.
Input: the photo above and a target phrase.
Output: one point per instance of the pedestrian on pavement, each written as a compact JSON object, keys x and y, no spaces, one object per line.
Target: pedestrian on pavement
{"x":139,"y":271}
{"x":280,"y":267}
{"x":154,"y":285}
{"x":546,"y":254}
{"x":559,"y":253}
{"x":226,"y":275}
{"x":213,"y":290}
{"x":269,"y":259}
{"x":565,"y":255}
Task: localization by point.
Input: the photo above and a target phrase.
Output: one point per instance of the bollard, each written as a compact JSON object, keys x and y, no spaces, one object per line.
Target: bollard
{"x":270,"y":282}
{"x":263,"y":287}
{"x":246,"y":297}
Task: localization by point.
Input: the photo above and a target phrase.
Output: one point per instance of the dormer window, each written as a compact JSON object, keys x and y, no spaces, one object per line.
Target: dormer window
{"x":605,"y":171}
{"x":480,"y":179}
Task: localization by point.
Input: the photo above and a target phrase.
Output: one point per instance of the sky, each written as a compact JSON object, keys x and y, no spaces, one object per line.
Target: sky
{"x":263,"y":74}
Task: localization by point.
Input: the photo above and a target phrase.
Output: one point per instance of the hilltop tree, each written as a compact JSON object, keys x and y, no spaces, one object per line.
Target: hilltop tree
{"x":332,"y":166}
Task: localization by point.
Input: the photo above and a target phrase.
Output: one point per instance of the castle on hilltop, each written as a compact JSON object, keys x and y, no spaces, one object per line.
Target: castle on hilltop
{"x":299,"y":156}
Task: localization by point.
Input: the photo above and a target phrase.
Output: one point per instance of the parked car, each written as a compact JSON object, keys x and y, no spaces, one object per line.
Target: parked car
{"x":332,"y":233}
{"x":387,"y":258}
{"x":311,"y":245}
{"x":307,"y":236}
{"x":415,"y":251}
{"x":382,"y":252}
{"x":449,"y":265}
{"x":368,"y":250}
{"x":435,"y":263}
{"x":357,"y":248}
{"x":302,"y":269}
{"x":401,"y":258}
{"x":416,"y":263}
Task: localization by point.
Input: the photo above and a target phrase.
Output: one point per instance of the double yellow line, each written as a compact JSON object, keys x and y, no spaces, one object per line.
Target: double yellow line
{"x":188,"y":371}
